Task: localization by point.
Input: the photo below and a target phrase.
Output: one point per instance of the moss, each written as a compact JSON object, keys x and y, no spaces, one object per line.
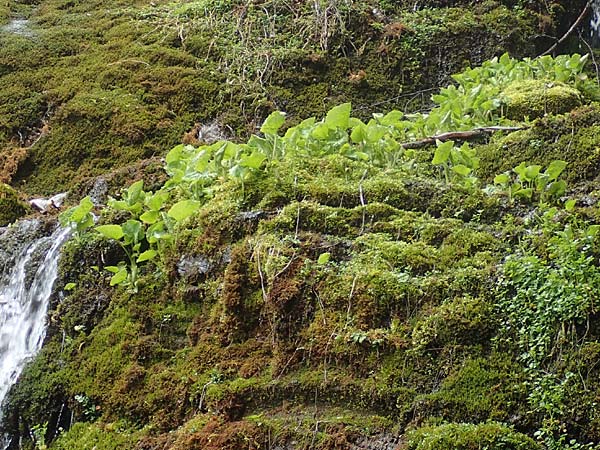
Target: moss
{"x":11,"y":206}
{"x":459,"y":321}
{"x":572,"y":137}
{"x":464,"y":436}
{"x":85,"y":436}
{"x":536,"y":98}
{"x":481,"y":389}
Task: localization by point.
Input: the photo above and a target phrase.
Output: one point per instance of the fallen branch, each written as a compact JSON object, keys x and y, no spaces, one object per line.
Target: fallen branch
{"x":584,"y":13}
{"x":459,"y":136}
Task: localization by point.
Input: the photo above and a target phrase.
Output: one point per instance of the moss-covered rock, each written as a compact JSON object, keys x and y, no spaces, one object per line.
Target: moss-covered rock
{"x":11,"y":206}
{"x":465,"y":436}
{"x":536,"y":98}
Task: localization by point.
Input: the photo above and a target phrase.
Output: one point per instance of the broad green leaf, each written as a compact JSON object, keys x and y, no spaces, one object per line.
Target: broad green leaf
{"x":557,"y":188}
{"x":461,"y":170}
{"x":112,"y":269}
{"x":502,"y":178}
{"x":324,"y":258}
{"x":134,"y":191}
{"x":119,"y":205}
{"x":147,"y":255}
{"x":321,"y":132}
{"x":525,"y":193}
{"x":119,"y":277}
{"x":157,"y":200}
{"x":254,"y":160}
{"x":392,"y":118}
{"x":80,"y":211}
{"x":110,"y":231}
{"x":442,"y":152}
{"x":339,"y":116}
{"x":273,"y":123}
{"x":150,"y":217}
{"x":531,"y":172}
{"x":183,"y":209}
{"x":175,"y":154}
{"x":133,"y":232}
{"x":570,"y":204}
{"x":555,"y":169}
{"x":358,"y":134}
{"x":69,"y":286}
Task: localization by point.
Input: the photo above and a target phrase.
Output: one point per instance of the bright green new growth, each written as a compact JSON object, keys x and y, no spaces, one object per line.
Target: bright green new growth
{"x":195,"y":172}
{"x":79,"y":217}
{"x":530,"y":183}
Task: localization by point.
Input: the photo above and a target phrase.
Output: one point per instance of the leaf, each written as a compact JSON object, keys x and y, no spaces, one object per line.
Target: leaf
{"x":555,"y":169}
{"x":253,"y":161}
{"x":119,"y":277}
{"x":132,"y":229}
{"x":134,"y":192}
{"x":461,"y":170}
{"x":570,"y":204}
{"x":442,"y":152}
{"x":321,"y":132}
{"x":273,"y":123}
{"x":110,"y":231}
{"x":339,"y":116}
{"x":358,"y":134}
{"x":157,"y":200}
{"x":324,"y":258}
{"x":557,"y":188}
{"x":525,"y":193}
{"x":147,"y":255}
{"x":150,"y":217}
{"x":502,"y":178}
{"x":112,"y":269}
{"x":175,"y":154}
{"x":532,"y":172}
{"x":392,"y":118}
{"x":183,"y":209}
{"x":69,"y":286}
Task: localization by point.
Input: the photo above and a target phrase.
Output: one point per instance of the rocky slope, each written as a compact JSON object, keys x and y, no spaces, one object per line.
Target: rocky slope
{"x":331,"y":300}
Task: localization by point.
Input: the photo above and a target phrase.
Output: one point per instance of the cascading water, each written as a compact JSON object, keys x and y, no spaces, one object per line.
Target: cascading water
{"x":595,"y":20}
{"x":25,"y":291}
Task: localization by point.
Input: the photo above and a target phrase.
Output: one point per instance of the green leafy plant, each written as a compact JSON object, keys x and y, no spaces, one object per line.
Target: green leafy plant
{"x":529,"y":183}
{"x":79,"y":217}
{"x":457,"y":163}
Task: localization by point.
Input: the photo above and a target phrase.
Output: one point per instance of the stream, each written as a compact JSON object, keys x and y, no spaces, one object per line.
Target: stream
{"x":29,"y":260}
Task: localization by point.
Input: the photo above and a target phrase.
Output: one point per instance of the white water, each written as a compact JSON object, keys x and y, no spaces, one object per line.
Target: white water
{"x":24,"y":298}
{"x":595,"y":20}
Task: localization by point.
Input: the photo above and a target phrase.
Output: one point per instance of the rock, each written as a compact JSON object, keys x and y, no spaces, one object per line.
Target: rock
{"x":537,"y":98}
{"x":48,"y":204}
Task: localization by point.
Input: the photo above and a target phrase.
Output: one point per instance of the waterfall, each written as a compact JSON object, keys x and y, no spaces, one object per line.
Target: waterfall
{"x":25,"y":291}
{"x":595,"y":20}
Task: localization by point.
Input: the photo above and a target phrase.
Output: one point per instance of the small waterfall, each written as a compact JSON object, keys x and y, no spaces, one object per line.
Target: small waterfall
{"x":595,"y":20}
{"x":24,"y":296}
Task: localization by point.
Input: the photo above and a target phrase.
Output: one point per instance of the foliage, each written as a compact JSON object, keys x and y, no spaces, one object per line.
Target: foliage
{"x":529,"y":183}
{"x":79,"y":217}
{"x":457,"y":163}
{"x":544,"y":297}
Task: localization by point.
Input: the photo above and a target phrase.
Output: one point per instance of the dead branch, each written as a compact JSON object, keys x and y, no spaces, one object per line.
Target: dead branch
{"x":584,"y":13}
{"x":459,"y":136}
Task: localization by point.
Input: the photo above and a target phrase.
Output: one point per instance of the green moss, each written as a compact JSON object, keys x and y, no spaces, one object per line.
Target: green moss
{"x":481,"y":389}
{"x":460,"y":321}
{"x":572,"y":137}
{"x":464,"y":436}
{"x":536,"y":98}
{"x":11,"y":206}
{"x":88,"y":436}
